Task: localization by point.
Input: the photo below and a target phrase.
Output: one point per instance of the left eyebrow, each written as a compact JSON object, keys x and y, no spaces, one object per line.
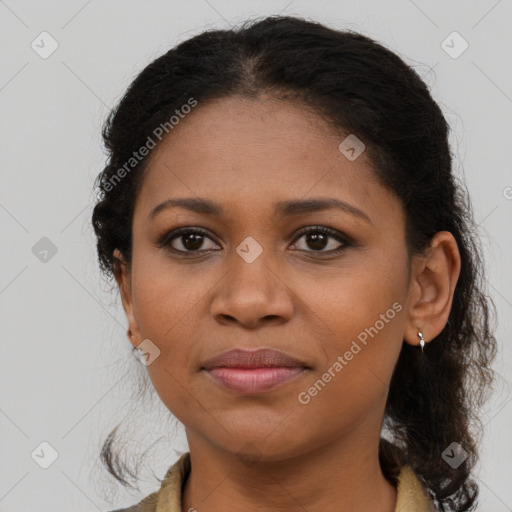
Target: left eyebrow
{"x":283,"y":208}
{"x":298,"y":207}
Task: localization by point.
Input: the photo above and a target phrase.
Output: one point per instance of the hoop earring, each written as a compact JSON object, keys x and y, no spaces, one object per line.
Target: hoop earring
{"x":422,"y":341}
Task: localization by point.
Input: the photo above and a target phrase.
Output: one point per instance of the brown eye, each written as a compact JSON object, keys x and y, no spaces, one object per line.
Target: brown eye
{"x":318,"y":239}
{"x":187,"y":240}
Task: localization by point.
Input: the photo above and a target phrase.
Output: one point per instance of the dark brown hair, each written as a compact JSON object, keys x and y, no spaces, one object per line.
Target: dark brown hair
{"x":362,"y":88}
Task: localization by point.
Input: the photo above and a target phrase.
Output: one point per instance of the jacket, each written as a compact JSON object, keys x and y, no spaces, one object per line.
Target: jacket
{"x":411,"y":496}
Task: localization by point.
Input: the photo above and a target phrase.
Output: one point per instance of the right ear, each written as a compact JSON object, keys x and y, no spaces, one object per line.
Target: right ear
{"x":123,"y":279}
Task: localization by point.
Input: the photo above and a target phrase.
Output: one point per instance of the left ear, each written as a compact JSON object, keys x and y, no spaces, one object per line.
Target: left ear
{"x":433,"y":280}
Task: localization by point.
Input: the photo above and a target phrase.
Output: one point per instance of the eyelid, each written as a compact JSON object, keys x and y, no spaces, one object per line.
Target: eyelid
{"x":333,"y":233}
{"x":168,"y":236}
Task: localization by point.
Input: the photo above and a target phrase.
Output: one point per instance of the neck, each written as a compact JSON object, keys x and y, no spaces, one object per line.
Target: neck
{"x":343,"y":475}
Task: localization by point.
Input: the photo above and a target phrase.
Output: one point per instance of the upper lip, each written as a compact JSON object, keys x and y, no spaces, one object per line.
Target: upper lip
{"x":259,"y":358}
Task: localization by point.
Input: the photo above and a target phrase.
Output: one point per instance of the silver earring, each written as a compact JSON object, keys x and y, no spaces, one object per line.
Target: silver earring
{"x":422,"y":341}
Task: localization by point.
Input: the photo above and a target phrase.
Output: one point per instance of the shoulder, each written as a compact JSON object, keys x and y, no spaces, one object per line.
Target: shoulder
{"x":169,"y":492}
{"x":148,"y":504}
{"x":411,"y":494}
{"x":134,"y":508}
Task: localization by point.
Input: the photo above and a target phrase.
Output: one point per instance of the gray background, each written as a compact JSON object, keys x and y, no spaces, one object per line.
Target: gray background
{"x":66,"y":369}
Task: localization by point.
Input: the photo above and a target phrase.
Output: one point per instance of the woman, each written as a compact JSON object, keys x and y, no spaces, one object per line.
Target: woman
{"x":299,"y":270}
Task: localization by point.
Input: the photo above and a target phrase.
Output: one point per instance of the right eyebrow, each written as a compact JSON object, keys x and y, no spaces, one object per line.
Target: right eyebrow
{"x":193,"y":204}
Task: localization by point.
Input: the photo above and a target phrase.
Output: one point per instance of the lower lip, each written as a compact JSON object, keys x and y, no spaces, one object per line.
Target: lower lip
{"x":254,"y":380}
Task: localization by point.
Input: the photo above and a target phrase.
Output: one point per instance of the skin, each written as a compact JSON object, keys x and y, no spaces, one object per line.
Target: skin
{"x":270,"y":451}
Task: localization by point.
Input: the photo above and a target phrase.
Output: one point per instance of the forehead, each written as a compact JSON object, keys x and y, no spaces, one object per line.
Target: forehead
{"x":255,"y":152}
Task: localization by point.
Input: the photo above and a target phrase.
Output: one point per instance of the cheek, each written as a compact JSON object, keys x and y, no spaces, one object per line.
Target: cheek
{"x":164,"y":296}
{"x":360,"y":320}
{"x":351,"y":299}
{"x":160,"y":305}
{"x":169,"y":307}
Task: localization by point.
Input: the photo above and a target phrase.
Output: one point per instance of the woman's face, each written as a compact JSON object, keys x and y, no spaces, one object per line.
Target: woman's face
{"x":253,"y":280}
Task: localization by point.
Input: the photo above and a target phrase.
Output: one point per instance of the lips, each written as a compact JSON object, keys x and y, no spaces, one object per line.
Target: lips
{"x":260,"y":358}
{"x":256,"y":371}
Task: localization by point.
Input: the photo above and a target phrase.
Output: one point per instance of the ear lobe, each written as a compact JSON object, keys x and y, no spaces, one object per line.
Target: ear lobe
{"x":123,"y":279}
{"x":433,"y":282}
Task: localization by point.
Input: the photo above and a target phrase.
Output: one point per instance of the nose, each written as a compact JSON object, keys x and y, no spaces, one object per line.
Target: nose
{"x":252,"y":294}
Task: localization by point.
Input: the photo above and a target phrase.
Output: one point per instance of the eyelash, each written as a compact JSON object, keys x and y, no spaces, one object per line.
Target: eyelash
{"x":166,"y":239}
